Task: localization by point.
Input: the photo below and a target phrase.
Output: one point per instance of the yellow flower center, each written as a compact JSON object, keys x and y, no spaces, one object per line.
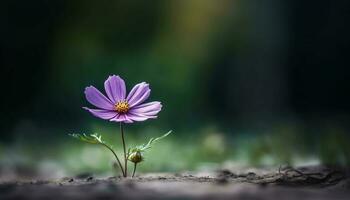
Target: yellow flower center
{"x":122,"y":106}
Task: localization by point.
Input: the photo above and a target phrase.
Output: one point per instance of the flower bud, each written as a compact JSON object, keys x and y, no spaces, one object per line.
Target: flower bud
{"x":135,"y":157}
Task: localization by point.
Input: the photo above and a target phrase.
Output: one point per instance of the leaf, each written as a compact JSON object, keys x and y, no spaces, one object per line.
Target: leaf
{"x":149,"y":144}
{"x":153,"y":140}
{"x":92,"y":138}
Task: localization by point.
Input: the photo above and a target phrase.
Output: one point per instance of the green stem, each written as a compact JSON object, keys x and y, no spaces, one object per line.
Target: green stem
{"x":133,"y":173}
{"x":124,"y":147}
{"x":115,"y":155}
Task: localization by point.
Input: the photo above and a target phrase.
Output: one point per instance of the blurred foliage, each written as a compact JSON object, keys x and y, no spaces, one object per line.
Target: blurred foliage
{"x":208,"y":149}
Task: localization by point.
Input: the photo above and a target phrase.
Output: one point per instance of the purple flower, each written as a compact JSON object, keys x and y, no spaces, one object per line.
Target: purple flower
{"x":119,"y":107}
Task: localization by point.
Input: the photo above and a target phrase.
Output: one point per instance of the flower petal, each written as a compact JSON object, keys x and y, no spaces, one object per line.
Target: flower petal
{"x":103,"y":114}
{"x":147,"y":109}
{"x":121,"y":118}
{"x":139,"y":118}
{"x":115,"y":88}
{"x":96,"y":98}
{"x":138,"y":94}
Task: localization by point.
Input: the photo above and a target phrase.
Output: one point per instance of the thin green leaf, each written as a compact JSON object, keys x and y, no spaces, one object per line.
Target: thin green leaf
{"x":152,"y":141}
{"x":86,"y":138}
{"x":91,"y":139}
{"x":131,"y":151}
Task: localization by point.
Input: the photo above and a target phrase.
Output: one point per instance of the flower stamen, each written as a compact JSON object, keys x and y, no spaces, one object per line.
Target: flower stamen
{"x":122,"y":106}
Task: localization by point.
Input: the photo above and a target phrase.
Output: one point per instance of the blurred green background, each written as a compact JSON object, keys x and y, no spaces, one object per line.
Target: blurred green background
{"x":243,"y":83}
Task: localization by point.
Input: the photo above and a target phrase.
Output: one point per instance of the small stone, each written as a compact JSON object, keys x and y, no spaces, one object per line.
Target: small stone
{"x":251,"y":175}
{"x":222,"y":180}
{"x":226,"y":174}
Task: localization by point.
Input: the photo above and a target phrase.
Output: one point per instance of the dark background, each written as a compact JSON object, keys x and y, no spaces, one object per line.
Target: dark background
{"x":252,"y":82}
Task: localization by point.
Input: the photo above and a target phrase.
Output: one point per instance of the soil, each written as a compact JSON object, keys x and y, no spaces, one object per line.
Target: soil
{"x":317,"y":182}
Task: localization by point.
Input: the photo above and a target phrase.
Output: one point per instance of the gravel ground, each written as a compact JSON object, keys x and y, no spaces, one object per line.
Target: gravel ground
{"x":316,"y":182}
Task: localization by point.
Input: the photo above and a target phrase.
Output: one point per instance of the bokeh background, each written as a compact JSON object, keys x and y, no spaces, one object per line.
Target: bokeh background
{"x":243,"y":82}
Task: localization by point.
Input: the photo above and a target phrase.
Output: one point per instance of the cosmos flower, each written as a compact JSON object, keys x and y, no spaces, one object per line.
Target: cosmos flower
{"x":121,"y":108}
